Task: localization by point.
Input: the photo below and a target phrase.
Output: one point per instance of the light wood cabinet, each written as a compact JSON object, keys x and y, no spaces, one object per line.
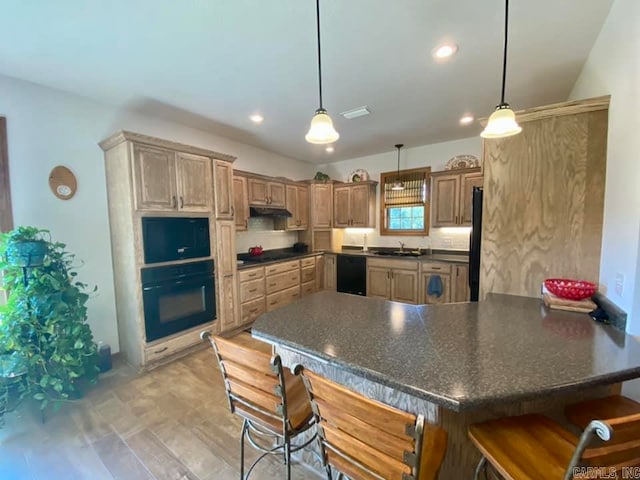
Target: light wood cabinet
{"x":395,"y":280}
{"x":146,"y":174}
{"x":264,"y":192}
{"x":223,"y":190}
{"x":354,"y":205}
{"x":282,"y":284}
{"x":321,"y":205}
{"x":330,"y":271}
{"x":451,"y":197}
{"x":430,"y":270}
{"x":251,"y":285}
{"x":226,"y":275}
{"x":297,"y":202}
{"x":171,"y":181}
{"x":460,"y":291}
{"x":240,"y":204}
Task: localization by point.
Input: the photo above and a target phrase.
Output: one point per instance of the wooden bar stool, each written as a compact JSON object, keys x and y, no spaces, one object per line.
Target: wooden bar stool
{"x":534,"y":447}
{"x":367,"y":440}
{"x":271,"y":401}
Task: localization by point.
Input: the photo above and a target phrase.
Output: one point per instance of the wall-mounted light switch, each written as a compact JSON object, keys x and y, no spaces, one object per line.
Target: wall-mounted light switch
{"x":619,"y":284}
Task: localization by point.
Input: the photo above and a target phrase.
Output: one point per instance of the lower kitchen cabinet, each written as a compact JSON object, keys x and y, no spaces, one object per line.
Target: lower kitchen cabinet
{"x":252,"y":294}
{"x":460,"y":284}
{"x":282,"y":284}
{"x":395,"y":280}
{"x":308,"y":275}
{"x":330,"y":271}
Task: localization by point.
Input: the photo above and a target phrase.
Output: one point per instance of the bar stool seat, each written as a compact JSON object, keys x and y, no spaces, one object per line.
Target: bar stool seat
{"x":527,"y":447}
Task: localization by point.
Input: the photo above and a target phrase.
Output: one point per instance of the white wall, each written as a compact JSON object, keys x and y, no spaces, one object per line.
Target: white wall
{"x":48,"y":128}
{"x":613,"y":67}
{"x":436,"y":156}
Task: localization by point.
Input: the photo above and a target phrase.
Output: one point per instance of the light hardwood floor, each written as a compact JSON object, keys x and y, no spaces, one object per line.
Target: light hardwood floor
{"x":172,"y":423}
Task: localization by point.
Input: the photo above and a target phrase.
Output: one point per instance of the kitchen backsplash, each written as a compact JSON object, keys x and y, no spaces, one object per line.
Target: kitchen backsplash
{"x":444,"y":238}
{"x":261,"y":232}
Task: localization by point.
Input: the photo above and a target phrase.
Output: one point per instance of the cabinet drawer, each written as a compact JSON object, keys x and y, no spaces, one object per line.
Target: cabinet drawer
{"x":165,"y":348}
{"x":307,"y":288}
{"x":282,"y":281}
{"x":283,"y":267}
{"x":443,"y":268}
{"x":249,"y":311}
{"x":251,"y":274}
{"x":251,"y":290}
{"x":393,"y":263}
{"x":307,"y":262}
{"x":308,"y":274}
{"x":283,"y":298}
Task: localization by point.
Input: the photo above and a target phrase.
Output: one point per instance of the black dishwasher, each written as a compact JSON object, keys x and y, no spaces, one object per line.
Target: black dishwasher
{"x":352,"y":274}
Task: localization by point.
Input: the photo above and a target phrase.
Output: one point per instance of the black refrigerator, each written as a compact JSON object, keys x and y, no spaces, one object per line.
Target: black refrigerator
{"x":474,"y":243}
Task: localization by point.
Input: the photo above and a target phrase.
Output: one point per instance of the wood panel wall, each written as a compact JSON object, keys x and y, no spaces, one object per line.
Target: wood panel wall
{"x":6,"y":213}
{"x":544,"y":201}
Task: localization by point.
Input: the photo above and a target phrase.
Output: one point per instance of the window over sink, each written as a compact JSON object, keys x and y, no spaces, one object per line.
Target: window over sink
{"x":405,"y":212}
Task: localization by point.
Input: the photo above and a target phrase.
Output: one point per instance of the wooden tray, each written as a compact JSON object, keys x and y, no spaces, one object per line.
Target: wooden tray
{"x":557,"y":303}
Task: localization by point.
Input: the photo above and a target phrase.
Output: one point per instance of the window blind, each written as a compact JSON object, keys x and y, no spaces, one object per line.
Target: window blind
{"x":414,"y":192}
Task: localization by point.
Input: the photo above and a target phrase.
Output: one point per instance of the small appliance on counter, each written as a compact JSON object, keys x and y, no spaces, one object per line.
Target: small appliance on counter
{"x":256,"y":251}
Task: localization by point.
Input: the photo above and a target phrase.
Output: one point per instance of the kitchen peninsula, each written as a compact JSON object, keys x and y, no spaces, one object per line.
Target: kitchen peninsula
{"x":455,"y":363}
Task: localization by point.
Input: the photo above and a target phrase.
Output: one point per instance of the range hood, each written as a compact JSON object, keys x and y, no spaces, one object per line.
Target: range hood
{"x":269,"y":212}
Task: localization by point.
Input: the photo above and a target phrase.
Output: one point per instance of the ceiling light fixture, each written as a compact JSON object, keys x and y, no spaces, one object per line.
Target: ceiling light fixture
{"x":466,"y":119}
{"x":398,"y":185}
{"x":356,"y":112}
{"x":444,"y":51}
{"x":321,"y":130}
{"x":256,"y":118}
{"x":329,"y":149}
{"x":502,"y":122}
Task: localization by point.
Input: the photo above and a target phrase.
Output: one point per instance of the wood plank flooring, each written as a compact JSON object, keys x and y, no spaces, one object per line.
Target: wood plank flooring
{"x":172,"y":423}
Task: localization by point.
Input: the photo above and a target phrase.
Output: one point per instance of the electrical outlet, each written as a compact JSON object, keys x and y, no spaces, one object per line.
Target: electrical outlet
{"x":619,"y":284}
{"x":446,"y":241}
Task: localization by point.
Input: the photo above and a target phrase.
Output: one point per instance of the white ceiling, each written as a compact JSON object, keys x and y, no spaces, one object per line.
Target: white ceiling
{"x":211,"y":63}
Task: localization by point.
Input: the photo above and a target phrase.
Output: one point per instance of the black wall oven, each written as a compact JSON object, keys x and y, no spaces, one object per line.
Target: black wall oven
{"x":177,"y":297}
{"x":175,"y":238}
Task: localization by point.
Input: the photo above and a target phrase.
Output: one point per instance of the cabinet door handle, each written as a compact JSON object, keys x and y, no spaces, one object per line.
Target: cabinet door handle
{"x":232,"y":211}
{"x":246,"y":223}
{"x":161,"y":350}
{"x":253,"y":290}
{"x":181,"y":201}
{"x":254,"y":310}
{"x":173,"y":202}
{"x":272,"y":284}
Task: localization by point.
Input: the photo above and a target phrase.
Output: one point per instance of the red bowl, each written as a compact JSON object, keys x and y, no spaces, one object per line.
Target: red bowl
{"x":570,"y":289}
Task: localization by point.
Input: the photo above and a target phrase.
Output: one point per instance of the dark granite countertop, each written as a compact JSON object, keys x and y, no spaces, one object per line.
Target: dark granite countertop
{"x":462,"y":355}
{"x":437,"y":256}
{"x":248,"y":263}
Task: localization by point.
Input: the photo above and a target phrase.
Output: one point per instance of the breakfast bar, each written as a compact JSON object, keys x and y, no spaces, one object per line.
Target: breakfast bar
{"x":455,"y":363}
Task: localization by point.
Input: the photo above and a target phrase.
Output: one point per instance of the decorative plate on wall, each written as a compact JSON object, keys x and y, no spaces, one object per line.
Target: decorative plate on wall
{"x":358,"y":175}
{"x":462,"y":161}
{"x":63,"y":182}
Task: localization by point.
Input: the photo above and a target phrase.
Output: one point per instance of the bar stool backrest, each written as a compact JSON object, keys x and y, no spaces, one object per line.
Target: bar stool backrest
{"x":365,"y":439}
{"x":621,"y":447}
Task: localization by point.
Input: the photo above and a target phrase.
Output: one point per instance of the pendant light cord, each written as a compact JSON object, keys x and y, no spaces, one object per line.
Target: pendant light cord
{"x":399,"y":146}
{"x":504,"y":59}
{"x":319,"y":57}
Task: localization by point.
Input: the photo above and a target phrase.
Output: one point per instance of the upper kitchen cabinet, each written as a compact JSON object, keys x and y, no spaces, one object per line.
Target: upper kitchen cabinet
{"x":240,"y":203}
{"x":451,"y":196}
{"x":194,"y":182}
{"x":354,"y":205}
{"x":321,"y":204}
{"x":265,"y":192}
{"x":297,"y":202}
{"x":223,"y":190}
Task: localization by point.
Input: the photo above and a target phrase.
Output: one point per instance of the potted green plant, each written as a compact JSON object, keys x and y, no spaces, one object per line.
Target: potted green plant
{"x":44,"y":321}
{"x":25,"y":247}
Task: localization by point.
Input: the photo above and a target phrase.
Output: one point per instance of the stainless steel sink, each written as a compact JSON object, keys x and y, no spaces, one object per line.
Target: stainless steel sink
{"x":399,"y":253}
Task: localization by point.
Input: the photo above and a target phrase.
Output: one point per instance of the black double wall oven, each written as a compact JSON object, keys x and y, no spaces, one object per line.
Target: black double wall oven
{"x":180,"y":296}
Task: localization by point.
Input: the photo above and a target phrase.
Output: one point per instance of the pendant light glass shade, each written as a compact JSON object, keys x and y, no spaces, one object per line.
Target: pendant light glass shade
{"x":321,"y":130}
{"x":502,"y":123}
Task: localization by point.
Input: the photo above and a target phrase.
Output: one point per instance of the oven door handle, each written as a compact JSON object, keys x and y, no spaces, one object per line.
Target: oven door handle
{"x":179,"y":282}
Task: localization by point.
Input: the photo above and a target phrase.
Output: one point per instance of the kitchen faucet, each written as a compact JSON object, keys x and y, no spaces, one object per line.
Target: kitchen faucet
{"x":401,"y":246}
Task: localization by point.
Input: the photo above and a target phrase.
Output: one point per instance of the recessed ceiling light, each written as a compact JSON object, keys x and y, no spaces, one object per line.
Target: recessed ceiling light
{"x":256,"y":118}
{"x":444,"y":51}
{"x":466,"y":119}
{"x":330,"y":149}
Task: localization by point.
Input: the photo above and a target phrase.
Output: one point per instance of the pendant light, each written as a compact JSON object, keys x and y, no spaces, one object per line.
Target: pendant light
{"x":321,"y":130}
{"x":502,"y":122}
{"x":398,"y":185}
